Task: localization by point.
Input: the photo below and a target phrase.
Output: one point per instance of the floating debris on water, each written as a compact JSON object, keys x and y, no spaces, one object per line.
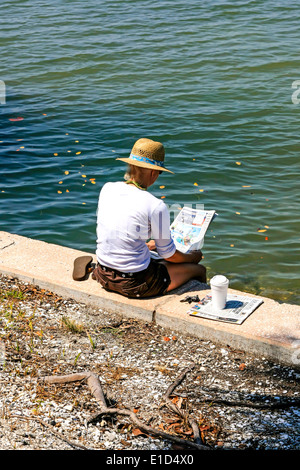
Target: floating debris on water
{"x":19,"y":118}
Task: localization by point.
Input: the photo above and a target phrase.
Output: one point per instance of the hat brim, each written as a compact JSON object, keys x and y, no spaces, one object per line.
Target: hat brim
{"x":150,"y":166}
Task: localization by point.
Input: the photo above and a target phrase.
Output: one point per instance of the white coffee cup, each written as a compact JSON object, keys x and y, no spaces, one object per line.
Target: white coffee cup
{"x":219,"y":285}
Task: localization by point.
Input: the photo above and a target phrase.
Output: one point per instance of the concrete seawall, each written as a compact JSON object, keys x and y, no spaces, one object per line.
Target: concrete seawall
{"x":271,"y":331}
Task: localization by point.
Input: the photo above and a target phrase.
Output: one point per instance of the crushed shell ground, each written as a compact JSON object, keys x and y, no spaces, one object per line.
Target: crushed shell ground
{"x":239,"y":401}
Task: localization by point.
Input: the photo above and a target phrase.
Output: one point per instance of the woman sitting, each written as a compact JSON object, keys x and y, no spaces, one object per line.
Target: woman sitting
{"x":127,"y":217}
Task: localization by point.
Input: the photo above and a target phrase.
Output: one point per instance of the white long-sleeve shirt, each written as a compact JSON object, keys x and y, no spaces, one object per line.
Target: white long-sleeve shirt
{"x":126,"y":218}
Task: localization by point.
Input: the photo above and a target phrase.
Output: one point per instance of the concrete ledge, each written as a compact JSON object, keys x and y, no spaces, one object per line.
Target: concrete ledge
{"x":271,"y":331}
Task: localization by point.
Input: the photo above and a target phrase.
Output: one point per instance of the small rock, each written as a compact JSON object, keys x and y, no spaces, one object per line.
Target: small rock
{"x":69,"y":407}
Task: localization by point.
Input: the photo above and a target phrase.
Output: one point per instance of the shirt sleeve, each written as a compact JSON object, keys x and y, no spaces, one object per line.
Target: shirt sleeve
{"x":160,"y":231}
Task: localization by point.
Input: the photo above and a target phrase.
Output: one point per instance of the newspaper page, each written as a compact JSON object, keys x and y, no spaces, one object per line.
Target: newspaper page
{"x":189,"y":228}
{"x":237,"y":309}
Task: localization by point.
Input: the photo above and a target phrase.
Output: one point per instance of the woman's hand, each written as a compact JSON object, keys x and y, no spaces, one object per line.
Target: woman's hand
{"x":151,"y":245}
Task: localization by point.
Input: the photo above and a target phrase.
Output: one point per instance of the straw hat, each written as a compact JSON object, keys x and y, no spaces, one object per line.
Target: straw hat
{"x":147,"y":153}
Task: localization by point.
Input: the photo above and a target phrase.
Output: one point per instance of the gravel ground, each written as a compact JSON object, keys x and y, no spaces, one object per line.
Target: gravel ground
{"x":238,"y":401}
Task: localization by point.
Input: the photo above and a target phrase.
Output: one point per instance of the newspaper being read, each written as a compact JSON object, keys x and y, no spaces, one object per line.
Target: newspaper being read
{"x":188,"y":229}
{"x":237,"y":309}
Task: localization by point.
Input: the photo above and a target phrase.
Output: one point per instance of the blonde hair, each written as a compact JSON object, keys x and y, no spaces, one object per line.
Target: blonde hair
{"x":137,"y":173}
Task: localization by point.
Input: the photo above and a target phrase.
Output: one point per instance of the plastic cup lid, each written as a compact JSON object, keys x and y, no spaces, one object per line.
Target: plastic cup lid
{"x":219,"y":279}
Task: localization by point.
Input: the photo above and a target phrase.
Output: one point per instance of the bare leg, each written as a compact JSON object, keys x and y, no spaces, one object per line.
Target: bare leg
{"x":180,"y":273}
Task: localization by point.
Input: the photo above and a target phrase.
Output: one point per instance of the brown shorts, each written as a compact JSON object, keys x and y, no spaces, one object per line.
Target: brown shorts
{"x":150,"y":282}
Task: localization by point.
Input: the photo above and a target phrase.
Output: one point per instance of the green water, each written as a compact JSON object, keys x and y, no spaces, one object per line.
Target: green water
{"x":212,"y":80}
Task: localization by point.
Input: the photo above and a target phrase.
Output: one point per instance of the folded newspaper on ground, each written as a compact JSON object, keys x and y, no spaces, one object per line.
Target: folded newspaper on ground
{"x":237,"y":309}
{"x":189,"y":228}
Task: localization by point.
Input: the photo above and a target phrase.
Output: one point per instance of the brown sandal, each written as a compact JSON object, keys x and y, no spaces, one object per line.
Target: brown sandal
{"x":81,"y":267}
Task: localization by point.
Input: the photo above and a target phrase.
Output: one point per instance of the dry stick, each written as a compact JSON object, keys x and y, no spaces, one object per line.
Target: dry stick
{"x":172,"y":406}
{"x":249,"y":404}
{"x":96,"y":389}
{"x":57,"y":434}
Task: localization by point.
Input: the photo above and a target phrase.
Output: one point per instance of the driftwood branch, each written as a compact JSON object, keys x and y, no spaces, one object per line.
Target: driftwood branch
{"x":94,"y":385}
